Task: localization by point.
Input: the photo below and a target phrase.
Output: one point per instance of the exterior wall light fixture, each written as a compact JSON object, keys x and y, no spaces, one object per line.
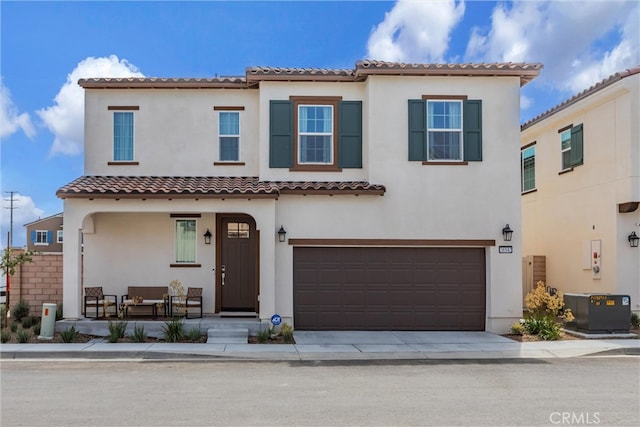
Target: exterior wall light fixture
{"x":282,"y":234}
{"x":633,"y":239}
{"x":207,"y":237}
{"x":507,"y":233}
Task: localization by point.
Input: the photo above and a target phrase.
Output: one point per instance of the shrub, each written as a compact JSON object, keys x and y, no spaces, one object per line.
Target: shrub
{"x":540,"y":302}
{"x":20,"y":310}
{"x":28,"y":322}
{"x":36,"y":329}
{"x":139,"y":334}
{"x":5,"y":336}
{"x":635,"y":320}
{"x":14,"y":327}
{"x":194,"y":334}
{"x":263,"y":335}
{"x":287,"y":333}
{"x":69,"y":335}
{"x":23,"y":335}
{"x":116,"y":330}
{"x":59,"y":312}
{"x":517,"y":328}
{"x":173,"y":330}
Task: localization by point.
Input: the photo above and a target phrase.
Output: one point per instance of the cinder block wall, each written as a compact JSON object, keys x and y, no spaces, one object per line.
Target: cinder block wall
{"x":38,"y":282}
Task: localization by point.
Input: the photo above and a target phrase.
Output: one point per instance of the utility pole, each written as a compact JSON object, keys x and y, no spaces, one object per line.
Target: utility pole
{"x":11,"y":208}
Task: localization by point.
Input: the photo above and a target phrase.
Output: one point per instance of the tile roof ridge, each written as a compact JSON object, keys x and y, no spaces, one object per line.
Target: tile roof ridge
{"x":607,"y":81}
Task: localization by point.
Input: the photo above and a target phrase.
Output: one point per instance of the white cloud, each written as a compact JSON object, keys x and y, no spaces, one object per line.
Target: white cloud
{"x":24,"y":211}
{"x":65,"y":119}
{"x":525,"y":102}
{"x":10,"y":119}
{"x":415,"y":31}
{"x":566,"y":36}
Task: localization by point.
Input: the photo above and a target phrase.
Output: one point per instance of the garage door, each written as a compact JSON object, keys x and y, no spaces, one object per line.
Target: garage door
{"x":389,"y":288}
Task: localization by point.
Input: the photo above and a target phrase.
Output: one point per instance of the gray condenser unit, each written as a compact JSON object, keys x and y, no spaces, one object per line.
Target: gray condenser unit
{"x":599,"y":313}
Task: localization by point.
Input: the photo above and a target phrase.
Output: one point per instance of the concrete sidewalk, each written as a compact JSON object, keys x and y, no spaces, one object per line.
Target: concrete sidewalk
{"x":348,"y":345}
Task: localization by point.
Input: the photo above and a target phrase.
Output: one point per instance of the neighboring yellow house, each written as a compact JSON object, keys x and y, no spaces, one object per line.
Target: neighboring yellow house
{"x":580,"y":169}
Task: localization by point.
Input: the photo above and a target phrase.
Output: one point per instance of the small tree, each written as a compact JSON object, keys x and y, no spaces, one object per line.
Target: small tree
{"x":8,"y":264}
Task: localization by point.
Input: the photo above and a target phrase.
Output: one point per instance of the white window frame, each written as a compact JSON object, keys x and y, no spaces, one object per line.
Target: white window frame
{"x":221,"y":135}
{"x":39,"y":234}
{"x":59,"y":236}
{"x":195,"y":241}
{"x":459,"y":130}
{"x":331,"y":134}
{"x":522,"y":158}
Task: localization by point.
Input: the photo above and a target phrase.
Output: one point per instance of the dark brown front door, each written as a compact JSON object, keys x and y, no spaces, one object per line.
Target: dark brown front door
{"x":237,"y":263}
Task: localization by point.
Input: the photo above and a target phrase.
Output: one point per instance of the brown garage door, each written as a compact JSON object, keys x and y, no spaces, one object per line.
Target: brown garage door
{"x":389,"y":289}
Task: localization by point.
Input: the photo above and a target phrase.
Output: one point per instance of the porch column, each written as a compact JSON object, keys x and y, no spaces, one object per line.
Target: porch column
{"x":71,"y":283}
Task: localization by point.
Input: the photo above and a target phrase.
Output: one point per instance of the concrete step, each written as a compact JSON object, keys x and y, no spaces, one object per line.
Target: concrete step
{"x":222,"y":335}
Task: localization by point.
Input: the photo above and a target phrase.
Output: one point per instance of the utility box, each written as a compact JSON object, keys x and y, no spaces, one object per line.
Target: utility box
{"x":599,"y":313}
{"x":48,"y":322}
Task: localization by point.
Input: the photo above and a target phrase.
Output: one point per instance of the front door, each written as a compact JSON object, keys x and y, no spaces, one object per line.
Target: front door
{"x":237,"y":275}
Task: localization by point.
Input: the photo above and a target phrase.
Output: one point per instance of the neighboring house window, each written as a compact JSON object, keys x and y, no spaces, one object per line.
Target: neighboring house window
{"x":186,"y":241}
{"x":571,"y":146}
{"x":59,"y":236}
{"x":445,"y":129}
{"x":122,"y":136}
{"x":315,"y":134}
{"x":229,"y":136}
{"x":41,"y":237}
{"x":528,"y":168}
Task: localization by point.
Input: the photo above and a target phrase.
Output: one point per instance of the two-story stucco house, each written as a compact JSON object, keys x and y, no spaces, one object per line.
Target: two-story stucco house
{"x":580,"y":166}
{"x":366,"y":198}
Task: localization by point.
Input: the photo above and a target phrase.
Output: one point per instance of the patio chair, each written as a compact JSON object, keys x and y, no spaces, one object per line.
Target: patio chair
{"x":188,"y":303}
{"x":95,"y":298}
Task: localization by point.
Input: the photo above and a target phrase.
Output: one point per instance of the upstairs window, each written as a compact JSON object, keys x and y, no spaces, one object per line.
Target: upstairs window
{"x":59,"y":236}
{"x":315,"y":134}
{"x":122,"y":136}
{"x":444,"y":130}
{"x":41,"y":237}
{"x":229,"y":135}
{"x":528,"y":169}
{"x":186,"y":241}
{"x":571,"y":147}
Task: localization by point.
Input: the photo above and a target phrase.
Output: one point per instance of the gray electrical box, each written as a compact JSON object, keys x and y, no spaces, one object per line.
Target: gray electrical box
{"x":599,"y":313}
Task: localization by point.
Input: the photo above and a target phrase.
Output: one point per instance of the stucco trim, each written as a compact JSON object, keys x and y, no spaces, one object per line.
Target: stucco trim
{"x":391,"y":242}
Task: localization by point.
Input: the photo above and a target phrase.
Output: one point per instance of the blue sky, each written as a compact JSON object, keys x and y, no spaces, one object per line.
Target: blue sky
{"x":47,"y":46}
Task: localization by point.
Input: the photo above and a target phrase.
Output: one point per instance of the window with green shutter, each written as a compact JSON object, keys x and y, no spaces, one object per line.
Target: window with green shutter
{"x":528,"y":168}
{"x":445,"y":129}
{"x":315,"y":134}
{"x":571,"y":147}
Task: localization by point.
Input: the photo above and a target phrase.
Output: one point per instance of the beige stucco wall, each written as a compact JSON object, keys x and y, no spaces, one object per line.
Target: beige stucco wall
{"x":130,"y":242}
{"x":570,"y":210}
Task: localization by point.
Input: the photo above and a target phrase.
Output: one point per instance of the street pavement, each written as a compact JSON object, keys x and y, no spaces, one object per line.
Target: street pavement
{"x":340,"y":345}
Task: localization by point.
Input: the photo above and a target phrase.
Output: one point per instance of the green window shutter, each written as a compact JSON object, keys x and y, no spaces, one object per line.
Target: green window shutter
{"x":472,"y":130}
{"x":280,"y":134}
{"x":417,"y":129}
{"x":577,"y":152}
{"x":350,"y":138}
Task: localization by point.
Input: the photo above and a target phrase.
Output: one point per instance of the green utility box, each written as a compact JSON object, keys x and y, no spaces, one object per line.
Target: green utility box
{"x":599,"y":313}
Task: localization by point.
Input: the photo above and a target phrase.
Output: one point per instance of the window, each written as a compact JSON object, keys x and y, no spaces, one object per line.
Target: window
{"x":571,"y":147}
{"x":315,"y":134}
{"x":185,"y":241}
{"x":445,"y":129}
{"x":41,"y":237}
{"x":59,"y":236}
{"x":122,"y":136}
{"x":238,"y":230}
{"x":229,"y":136}
{"x":528,"y":168}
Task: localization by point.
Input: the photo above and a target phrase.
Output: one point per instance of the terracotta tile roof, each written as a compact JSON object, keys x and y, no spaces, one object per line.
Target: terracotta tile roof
{"x":582,"y":95}
{"x":254,"y":75}
{"x":115,"y":187}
